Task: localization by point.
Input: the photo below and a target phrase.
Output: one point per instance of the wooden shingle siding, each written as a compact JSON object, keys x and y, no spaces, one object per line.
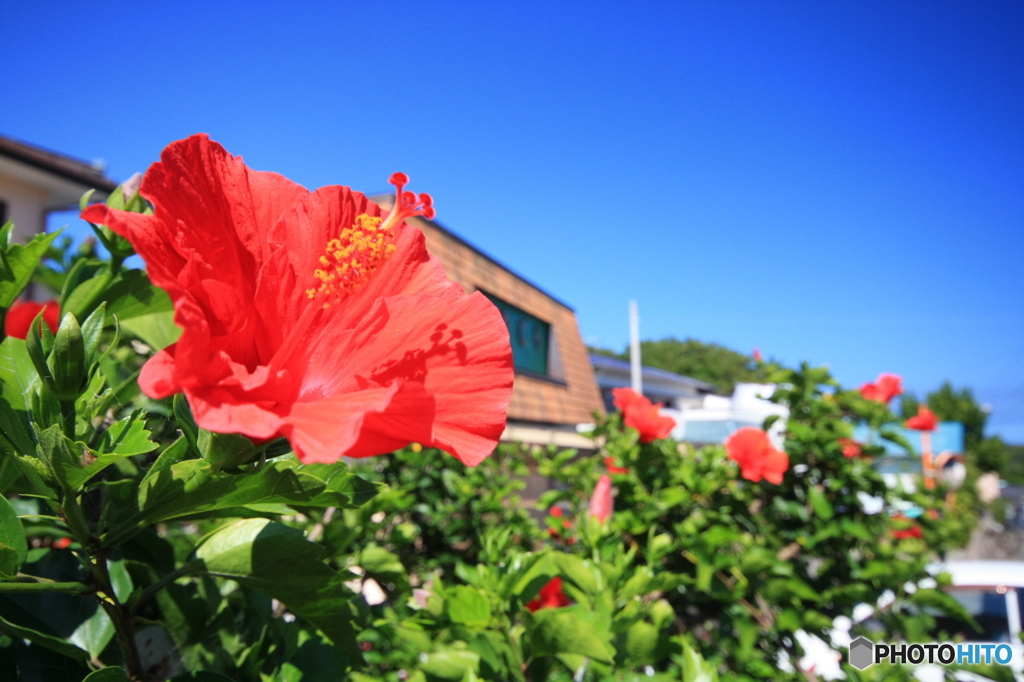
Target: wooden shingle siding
{"x":576,"y":398}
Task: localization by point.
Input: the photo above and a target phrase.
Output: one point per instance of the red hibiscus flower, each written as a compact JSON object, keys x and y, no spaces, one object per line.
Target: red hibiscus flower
{"x":550,"y":597}
{"x":913,"y":532}
{"x":924,"y":421}
{"x":639,"y":413}
{"x":851,"y":448}
{"x":757,"y":356}
{"x":556,"y":512}
{"x":601,"y":502}
{"x":312,"y":315}
{"x":885,"y":388}
{"x":20,"y":315}
{"x":751,"y":448}
{"x":612,"y":469}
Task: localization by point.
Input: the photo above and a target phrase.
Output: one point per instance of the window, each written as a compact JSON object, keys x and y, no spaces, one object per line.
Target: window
{"x":530,"y":337}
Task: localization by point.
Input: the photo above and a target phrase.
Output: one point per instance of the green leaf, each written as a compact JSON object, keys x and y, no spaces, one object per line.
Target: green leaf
{"x":131,"y":295}
{"x":224,"y":450}
{"x":467,"y":606}
{"x":567,"y":630}
{"x":377,"y":560}
{"x":51,"y":642}
{"x":16,"y":385}
{"x":95,"y":633}
{"x":108,"y":674}
{"x":695,"y":668}
{"x":157,"y":330}
{"x":581,"y":572}
{"x":186,"y":422}
{"x":13,"y":544}
{"x":450,"y":665}
{"x":278,"y":561}
{"x":125,"y":438}
{"x":641,"y":642}
{"x":192,"y":486}
{"x":819,"y":503}
{"x":92,"y":332}
{"x":20,"y":262}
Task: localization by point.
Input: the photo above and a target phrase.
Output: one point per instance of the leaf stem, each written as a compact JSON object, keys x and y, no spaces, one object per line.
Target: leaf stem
{"x":150,"y":592}
{"x":121,"y":617}
{"x":22,"y":587}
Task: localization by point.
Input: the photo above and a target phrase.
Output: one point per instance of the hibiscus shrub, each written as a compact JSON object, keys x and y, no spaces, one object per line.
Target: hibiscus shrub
{"x":173,"y":504}
{"x":757,"y":556}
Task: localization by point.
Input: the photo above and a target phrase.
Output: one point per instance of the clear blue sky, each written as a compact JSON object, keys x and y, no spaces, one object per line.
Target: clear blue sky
{"x":837,"y":182}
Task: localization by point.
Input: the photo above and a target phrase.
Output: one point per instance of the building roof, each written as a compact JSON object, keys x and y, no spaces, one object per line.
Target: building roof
{"x":388,"y":200}
{"x":568,"y":400}
{"x":947,"y":436}
{"x":64,"y":177}
{"x":609,"y":365}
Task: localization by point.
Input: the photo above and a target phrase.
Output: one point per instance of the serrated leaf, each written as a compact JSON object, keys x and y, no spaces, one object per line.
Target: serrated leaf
{"x":125,"y":438}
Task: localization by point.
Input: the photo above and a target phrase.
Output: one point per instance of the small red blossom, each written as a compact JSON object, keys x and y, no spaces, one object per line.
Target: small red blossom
{"x":20,"y":315}
{"x":757,"y":356}
{"x":315,"y":316}
{"x":602,"y":504}
{"x":555,"y":511}
{"x":641,"y":414}
{"x":924,"y":421}
{"x":550,"y":597}
{"x":566,"y":523}
{"x":913,"y":532}
{"x":751,"y":448}
{"x":609,"y":462}
{"x":885,"y":388}
{"x":61,"y":543}
{"x":851,"y":448}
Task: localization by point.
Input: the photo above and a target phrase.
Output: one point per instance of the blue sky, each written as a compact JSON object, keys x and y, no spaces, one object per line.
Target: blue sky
{"x":833,"y":182}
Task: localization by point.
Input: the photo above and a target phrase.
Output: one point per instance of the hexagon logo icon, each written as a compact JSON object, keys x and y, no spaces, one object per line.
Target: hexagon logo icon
{"x":862,"y":653}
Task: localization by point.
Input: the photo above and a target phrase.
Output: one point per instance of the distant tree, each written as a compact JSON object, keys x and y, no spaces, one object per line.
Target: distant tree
{"x":992,"y":454}
{"x":710,"y":362}
{"x":1015,"y":465}
{"x":908,"y":405}
{"x":607,"y":352}
{"x":955,"y":405}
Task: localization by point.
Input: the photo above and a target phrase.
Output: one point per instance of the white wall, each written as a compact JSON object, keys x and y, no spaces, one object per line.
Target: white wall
{"x":26,"y":207}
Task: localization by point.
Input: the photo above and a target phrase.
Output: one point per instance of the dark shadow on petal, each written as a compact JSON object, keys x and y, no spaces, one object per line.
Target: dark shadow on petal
{"x":412,"y":366}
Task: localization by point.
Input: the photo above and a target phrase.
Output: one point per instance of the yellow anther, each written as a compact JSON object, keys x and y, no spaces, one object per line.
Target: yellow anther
{"x":352,"y":258}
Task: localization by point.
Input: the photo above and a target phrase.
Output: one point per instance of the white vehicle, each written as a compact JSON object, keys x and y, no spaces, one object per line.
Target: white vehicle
{"x":993,"y":593}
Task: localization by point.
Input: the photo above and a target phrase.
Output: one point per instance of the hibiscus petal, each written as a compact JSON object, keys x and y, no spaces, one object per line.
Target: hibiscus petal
{"x":452,"y":345}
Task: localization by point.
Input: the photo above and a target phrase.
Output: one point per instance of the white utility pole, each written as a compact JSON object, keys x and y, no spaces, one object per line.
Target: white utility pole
{"x":635,"y":371}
